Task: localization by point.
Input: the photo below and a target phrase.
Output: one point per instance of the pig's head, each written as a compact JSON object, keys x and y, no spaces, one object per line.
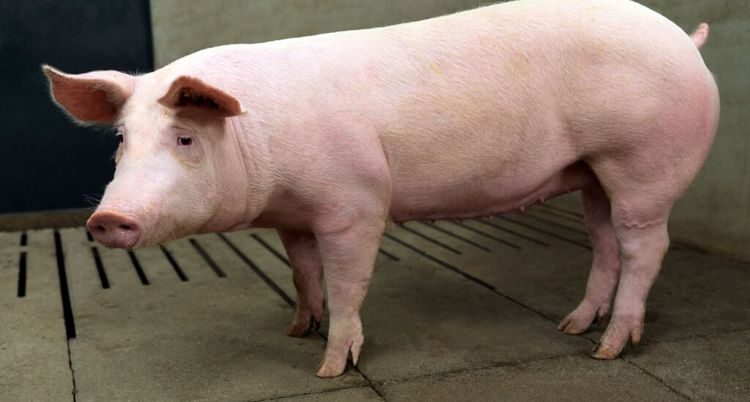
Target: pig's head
{"x":179,"y":165}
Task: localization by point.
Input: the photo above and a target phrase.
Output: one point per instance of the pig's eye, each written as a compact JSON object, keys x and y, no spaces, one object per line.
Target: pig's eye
{"x":184,"y":141}
{"x":119,"y":138}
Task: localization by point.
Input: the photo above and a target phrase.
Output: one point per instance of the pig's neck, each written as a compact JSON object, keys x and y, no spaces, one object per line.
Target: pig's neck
{"x":245,"y":183}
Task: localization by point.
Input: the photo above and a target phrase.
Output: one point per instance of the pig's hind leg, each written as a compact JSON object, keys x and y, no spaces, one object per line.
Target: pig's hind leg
{"x":643,"y":184}
{"x":642,"y":249}
{"x":307,"y":268}
{"x":641,"y":203}
{"x":605,"y":268}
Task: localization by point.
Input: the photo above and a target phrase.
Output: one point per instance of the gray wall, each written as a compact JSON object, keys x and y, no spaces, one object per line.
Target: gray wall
{"x":46,"y":161}
{"x":181,"y":27}
{"x":714,"y":215}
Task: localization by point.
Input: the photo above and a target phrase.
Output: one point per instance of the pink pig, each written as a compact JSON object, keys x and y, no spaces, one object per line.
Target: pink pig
{"x":329,"y":137}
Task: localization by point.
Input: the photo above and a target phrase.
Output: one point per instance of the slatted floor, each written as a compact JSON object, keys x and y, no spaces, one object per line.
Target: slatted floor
{"x":457,"y":311}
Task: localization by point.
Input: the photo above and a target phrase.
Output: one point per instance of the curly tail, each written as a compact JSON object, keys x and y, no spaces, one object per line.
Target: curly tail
{"x":700,"y":36}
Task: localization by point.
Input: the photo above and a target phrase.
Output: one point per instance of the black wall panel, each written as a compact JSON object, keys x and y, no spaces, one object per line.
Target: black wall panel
{"x":46,"y":161}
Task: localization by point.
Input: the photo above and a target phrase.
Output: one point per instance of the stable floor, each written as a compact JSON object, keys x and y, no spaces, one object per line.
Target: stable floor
{"x":456,"y":311}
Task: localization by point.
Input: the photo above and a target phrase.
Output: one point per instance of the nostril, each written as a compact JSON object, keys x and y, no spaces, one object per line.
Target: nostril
{"x":114,"y":229}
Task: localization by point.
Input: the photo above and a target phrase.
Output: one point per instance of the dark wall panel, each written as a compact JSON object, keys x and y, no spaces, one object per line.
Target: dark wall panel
{"x":46,"y":161}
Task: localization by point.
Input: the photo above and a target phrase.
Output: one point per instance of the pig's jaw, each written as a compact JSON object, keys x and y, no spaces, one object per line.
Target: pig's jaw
{"x":228,"y":220}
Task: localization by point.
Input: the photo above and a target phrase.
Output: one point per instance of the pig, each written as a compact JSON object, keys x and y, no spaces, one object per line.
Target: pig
{"x":329,"y":138}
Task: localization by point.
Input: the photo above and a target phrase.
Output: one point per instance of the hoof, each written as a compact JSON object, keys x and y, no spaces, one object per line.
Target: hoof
{"x":602,"y":352}
{"x":617,"y":335}
{"x":330,"y":370}
{"x":582,"y":319}
{"x":302,"y":329}
{"x":343,"y":341}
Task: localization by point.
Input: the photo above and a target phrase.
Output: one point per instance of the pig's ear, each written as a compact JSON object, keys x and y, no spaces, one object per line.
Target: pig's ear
{"x":190,"y":94}
{"x":94,"y":97}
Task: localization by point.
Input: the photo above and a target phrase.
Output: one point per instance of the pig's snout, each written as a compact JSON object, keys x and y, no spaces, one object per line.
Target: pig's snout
{"x":114,"y":230}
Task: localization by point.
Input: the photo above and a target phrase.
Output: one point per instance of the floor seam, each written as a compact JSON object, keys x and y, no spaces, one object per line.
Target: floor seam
{"x":274,"y":286}
{"x":689,"y":338}
{"x":370,"y":384}
{"x":659,"y":379}
{"x":375,"y":385}
{"x":484,"y":284}
{"x":655,"y":342}
{"x":67,"y":306}
{"x":662,"y":381}
{"x":322,"y":392}
{"x":72,"y":372}
{"x":699,"y":336}
{"x":473,"y":369}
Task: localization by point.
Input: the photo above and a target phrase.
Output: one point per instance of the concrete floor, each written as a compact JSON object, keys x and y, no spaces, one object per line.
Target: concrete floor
{"x":456,"y":311}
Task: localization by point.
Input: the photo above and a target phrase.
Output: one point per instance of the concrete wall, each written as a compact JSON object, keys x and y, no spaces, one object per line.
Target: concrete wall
{"x":714,"y":215}
{"x":181,"y":27}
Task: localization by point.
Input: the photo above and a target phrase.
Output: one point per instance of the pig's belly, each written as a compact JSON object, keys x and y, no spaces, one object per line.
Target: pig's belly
{"x":436,"y":197}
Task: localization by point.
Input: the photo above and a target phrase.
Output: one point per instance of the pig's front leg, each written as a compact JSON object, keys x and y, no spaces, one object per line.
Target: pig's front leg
{"x":302,"y":249}
{"x":348,"y":259}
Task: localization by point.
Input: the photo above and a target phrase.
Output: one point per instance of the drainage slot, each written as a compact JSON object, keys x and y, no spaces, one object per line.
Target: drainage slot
{"x":138,"y":268}
{"x":22,"y":275}
{"x":70,"y":326}
{"x":546,"y":232}
{"x":463,"y":274}
{"x":440,"y":262}
{"x":100,"y":268}
{"x":455,"y":236}
{"x":271,"y":249}
{"x":560,"y":216}
{"x":487,"y":235}
{"x":559,"y":225}
{"x":22,"y":267}
{"x":174,"y":264}
{"x":430,"y":239}
{"x":389,"y":255}
{"x":257,"y":270}
{"x":562,"y":211}
{"x":98,"y":262}
{"x":514,"y":233}
{"x":207,"y":258}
